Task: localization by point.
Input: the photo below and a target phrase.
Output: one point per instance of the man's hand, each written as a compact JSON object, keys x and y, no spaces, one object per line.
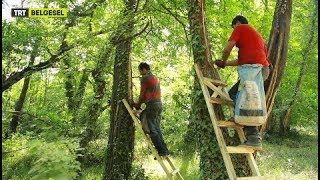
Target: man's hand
{"x":220,"y":63}
{"x":136,"y":105}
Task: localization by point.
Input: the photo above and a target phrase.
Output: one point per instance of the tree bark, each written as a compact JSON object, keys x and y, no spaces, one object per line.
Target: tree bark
{"x":277,"y":53}
{"x":119,"y":154}
{"x":285,"y":125}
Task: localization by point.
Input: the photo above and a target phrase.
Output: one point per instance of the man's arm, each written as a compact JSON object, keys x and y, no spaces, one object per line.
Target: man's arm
{"x":232,"y":63}
{"x":226,"y":53}
{"x":227,"y":50}
{"x":143,"y":89}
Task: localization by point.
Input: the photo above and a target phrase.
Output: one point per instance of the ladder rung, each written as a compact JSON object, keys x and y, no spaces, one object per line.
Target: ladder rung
{"x":252,"y":178}
{"x":221,"y":101}
{"x":239,"y":150}
{"x":216,"y":82}
{"x":229,"y":124}
{"x":175,"y":172}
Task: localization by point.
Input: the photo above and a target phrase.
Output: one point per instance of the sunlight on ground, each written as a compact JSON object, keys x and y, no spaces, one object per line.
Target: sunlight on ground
{"x":189,"y":167}
{"x":153,"y":168}
{"x":311,"y":175}
{"x":292,"y":159}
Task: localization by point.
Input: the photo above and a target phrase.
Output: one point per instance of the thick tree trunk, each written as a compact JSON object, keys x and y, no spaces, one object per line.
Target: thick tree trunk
{"x":277,"y":52}
{"x":285,"y":125}
{"x":211,"y":162}
{"x":119,"y":154}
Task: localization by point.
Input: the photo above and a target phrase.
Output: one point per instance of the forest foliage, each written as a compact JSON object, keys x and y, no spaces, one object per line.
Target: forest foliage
{"x":60,"y":56}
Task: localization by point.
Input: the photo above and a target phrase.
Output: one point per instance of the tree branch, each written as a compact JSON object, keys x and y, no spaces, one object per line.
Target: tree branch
{"x":119,"y":40}
{"x":177,"y":19}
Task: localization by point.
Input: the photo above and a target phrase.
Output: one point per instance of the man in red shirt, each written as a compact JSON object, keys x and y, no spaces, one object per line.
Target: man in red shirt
{"x":150,"y":94}
{"x":252,"y":50}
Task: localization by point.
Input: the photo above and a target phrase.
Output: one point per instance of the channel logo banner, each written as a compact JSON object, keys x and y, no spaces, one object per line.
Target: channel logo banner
{"x":39,"y":12}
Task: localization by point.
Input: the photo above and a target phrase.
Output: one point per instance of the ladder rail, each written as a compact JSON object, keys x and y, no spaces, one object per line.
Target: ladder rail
{"x":222,"y":145}
{"x":205,"y":84}
{"x":252,"y":163}
{"x":149,"y":143}
{"x":175,"y":170}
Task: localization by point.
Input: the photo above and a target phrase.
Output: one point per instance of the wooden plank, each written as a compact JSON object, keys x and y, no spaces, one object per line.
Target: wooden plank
{"x":239,"y":150}
{"x":252,"y":178}
{"x":229,"y":124}
{"x":222,"y":145}
{"x":221,"y":101}
{"x":253,"y":165}
{"x":215,"y":94}
{"x":175,"y":170}
{"x":216,"y":89}
{"x":216,"y":82}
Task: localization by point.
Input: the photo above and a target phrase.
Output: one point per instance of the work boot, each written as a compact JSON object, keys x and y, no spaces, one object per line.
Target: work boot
{"x":253,"y":141}
{"x":162,"y":154}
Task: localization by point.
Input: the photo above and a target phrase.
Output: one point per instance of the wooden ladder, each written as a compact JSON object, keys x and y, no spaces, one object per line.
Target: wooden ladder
{"x":174,"y":171}
{"x":220,"y":96}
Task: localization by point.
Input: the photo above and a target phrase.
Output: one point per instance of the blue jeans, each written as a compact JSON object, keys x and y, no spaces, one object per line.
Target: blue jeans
{"x":249,"y":130}
{"x":153,"y":115}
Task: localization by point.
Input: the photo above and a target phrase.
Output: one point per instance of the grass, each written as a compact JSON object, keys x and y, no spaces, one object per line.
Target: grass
{"x":291,"y":158}
{"x":283,"y":158}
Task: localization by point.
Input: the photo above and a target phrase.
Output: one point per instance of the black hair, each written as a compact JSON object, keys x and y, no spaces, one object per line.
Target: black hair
{"x":239,"y":18}
{"x":144,"y":65}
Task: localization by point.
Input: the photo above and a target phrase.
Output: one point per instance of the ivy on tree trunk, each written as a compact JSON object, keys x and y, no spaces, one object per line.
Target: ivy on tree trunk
{"x":119,"y":152}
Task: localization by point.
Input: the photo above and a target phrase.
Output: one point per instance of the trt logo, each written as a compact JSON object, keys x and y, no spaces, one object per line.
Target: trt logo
{"x":19,"y":12}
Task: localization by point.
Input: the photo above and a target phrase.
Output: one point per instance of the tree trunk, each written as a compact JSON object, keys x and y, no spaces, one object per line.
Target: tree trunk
{"x":19,"y":104}
{"x":73,"y":93}
{"x":94,"y":109}
{"x":69,"y":85}
{"x":119,"y":154}
{"x":285,"y":125}
{"x":277,"y":52}
{"x":211,"y":162}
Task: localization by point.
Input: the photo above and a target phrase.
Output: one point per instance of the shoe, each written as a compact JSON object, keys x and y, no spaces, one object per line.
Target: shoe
{"x":253,"y":141}
{"x":164,"y":154}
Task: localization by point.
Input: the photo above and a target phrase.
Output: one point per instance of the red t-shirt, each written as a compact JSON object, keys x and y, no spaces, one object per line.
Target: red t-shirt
{"x":252,"y":49}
